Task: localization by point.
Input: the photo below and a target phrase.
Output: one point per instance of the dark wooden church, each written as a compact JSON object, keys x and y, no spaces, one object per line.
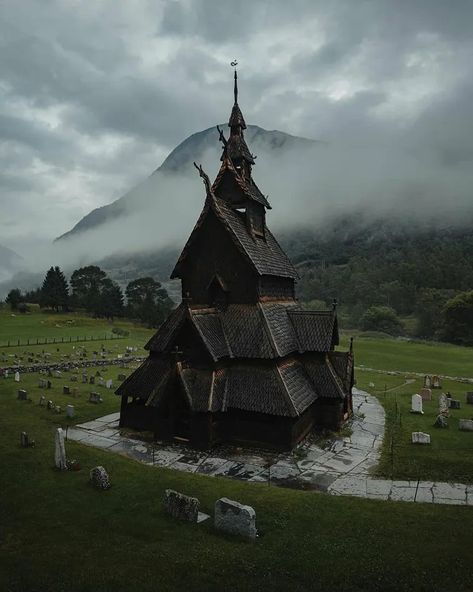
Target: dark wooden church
{"x":239,"y":360}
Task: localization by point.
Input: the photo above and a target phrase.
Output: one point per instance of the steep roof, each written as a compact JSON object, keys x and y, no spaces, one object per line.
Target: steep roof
{"x":264,"y":330}
{"x":247,"y":186}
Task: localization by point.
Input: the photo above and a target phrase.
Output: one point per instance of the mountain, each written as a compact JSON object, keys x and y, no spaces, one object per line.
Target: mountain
{"x":9,"y":262}
{"x":197,"y":147}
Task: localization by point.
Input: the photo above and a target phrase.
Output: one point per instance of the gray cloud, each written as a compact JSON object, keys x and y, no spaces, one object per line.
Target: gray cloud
{"x":94,"y":95}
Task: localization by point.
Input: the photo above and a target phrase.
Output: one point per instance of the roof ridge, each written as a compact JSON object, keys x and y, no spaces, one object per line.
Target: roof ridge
{"x":287,"y":396}
{"x":268,"y":331}
{"x":334,"y":375}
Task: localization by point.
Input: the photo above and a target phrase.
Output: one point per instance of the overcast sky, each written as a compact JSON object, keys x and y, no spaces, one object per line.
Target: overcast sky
{"x":95,"y":94}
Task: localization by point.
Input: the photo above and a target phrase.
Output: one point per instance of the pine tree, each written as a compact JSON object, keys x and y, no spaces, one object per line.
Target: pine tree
{"x":54,"y":291}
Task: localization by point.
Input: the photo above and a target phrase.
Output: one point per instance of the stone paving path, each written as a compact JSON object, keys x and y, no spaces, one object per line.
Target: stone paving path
{"x":341,"y":467}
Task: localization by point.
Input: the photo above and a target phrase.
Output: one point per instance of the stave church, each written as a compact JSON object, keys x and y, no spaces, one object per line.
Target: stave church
{"x":239,"y":361}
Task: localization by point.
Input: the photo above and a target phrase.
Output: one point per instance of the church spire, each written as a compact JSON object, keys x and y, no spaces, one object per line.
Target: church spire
{"x":236,"y":147}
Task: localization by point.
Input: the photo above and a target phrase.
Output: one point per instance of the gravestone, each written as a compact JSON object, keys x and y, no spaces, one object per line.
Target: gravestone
{"x":441,"y":422}
{"x":420,"y":438}
{"x":95,"y":398}
{"x":58,"y":374}
{"x":85,"y":380}
{"x":60,"y":450}
{"x":42,"y":383}
{"x":109,"y":383}
{"x":436,"y":383}
{"x":427,"y":381}
{"x":92,"y":380}
{"x":469,"y":398}
{"x":57,"y":409}
{"x":454,"y":403}
{"x":426,"y":394}
{"x":24,"y":442}
{"x":17,"y":377}
{"x":49,"y":384}
{"x":50,"y":405}
{"x":416,"y":404}
{"x":42,"y":401}
{"x":181,"y":506}
{"x":66,"y":390}
{"x":101,"y":382}
{"x":99,"y":478}
{"x":73,"y":378}
{"x":465,"y":425}
{"x":70,"y":411}
{"x":97,"y":374}
{"x":235,"y":518}
{"x":443,"y":405}
{"x":22,"y":395}
{"x":122,"y":377}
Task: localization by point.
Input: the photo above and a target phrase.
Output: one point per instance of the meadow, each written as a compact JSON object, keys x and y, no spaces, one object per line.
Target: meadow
{"x":57,"y":533}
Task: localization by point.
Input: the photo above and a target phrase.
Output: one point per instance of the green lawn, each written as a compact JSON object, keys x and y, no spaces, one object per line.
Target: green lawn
{"x":56,"y":533}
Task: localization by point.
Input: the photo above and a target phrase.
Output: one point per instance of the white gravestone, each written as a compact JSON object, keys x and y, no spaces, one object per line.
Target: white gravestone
{"x":416,"y":404}
{"x":465,"y":425}
{"x":443,"y":404}
{"x":427,"y":381}
{"x":60,"y":450}
{"x":70,"y":411}
{"x":109,"y":383}
{"x":420,"y":438}
{"x":17,"y":377}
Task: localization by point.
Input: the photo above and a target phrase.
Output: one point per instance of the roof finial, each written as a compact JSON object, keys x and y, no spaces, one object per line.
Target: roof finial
{"x":234,"y":64}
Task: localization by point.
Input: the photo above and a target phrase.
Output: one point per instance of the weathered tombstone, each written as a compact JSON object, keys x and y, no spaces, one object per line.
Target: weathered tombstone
{"x":58,"y":374}
{"x":84,"y":378}
{"x":75,"y":392}
{"x":42,"y":401}
{"x":235,"y":518}
{"x":122,"y":377}
{"x":109,"y":383}
{"x":57,"y":409}
{"x":73,"y":378}
{"x":60,"y":450}
{"x":426,"y":394}
{"x":42,"y":383}
{"x":22,"y":395}
{"x":420,"y":438}
{"x":99,"y":478}
{"x":49,"y":384}
{"x":50,"y":405}
{"x":454,"y":404}
{"x":436,"y":383}
{"x":181,"y":506}
{"x":70,"y":411}
{"x":92,"y":380}
{"x":441,"y":422}
{"x":97,"y":374}
{"x":17,"y":377}
{"x":465,"y":425}
{"x":416,"y":404}
{"x":427,"y":381}
{"x":469,"y":398}
{"x":95,"y":398}
{"x":66,"y":390}
{"x":24,"y":442}
{"x":101,"y":382}
{"x":443,"y":405}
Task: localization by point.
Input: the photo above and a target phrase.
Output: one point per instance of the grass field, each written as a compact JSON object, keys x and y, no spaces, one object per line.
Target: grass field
{"x":56,"y":533}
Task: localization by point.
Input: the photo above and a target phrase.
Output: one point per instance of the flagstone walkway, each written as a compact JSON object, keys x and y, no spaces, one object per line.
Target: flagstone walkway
{"x":341,"y":467}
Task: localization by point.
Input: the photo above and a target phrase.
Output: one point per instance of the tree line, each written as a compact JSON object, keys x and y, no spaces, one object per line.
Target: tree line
{"x":91,"y":290}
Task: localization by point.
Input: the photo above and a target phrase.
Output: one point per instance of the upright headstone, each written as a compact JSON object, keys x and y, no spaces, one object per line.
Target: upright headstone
{"x":109,"y":383}
{"x":92,"y":380}
{"x":60,"y":451}
{"x":99,"y":478}
{"x":427,"y":381}
{"x":70,"y":411}
{"x":426,"y":394}
{"x":22,"y":395}
{"x":73,"y":378}
{"x":85,"y":378}
{"x":181,"y":506}
{"x":454,"y":403}
{"x":66,"y":390}
{"x":50,"y":405}
{"x":235,"y":518}
{"x":441,"y":422}
{"x":465,"y":425}
{"x":436,"y":383}
{"x":95,"y":398}
{"x":48,"y":384}
{"x":420,"y":438}
{"x":416,"y":404}
{"x":24,"y":442}
{"x":17,"y":377}
{"x":443,"y":405}
{"x":469,"y":398}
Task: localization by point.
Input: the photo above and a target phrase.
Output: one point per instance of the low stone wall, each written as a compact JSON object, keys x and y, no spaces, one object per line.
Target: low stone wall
{"x":69,"y":365}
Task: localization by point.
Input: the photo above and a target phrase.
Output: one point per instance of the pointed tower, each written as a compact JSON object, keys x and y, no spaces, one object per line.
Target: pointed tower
{"x":238,"y":360}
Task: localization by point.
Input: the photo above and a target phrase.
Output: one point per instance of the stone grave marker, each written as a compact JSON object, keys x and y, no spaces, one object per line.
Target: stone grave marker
{"x":85,"y":380}
{"x":443,"y":405}
{"x":465,"y":425}
{"x":57,"y":373}
{"x":49,"y":384}
{"x":92,"y":380}
{"x":97,"y":374}
{"x":24,"y":440}
{"x":73,"y":378}
{"x":95,"y":398}
{"x":454,"y":404}
{"x":57,"y":409}
{"x":122,"y":377}
{"x":427,"y":381}
{"x":101,"y":382}
{"x":60,"y":450}
{"x":70,"y":411}
{"x":181,"y":506}
{"x":109,"y":383}
{"x":42,"y":401}
{"x":99,"y":478}
{"x":42,"y":383}
{"x":436,"y":382}
{"x":22,"y":395}
{"x":426,"y":394}
{"x":469,"y":398}
{"x":235,"y":518}
{"x":66,"y":390}
{"x":420,"y":438}
{"x":441,"y":422}
{"x":416,"y":404}
{"x":17,"y":377}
